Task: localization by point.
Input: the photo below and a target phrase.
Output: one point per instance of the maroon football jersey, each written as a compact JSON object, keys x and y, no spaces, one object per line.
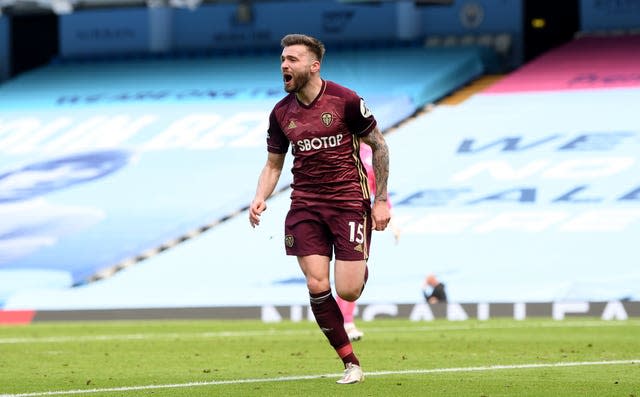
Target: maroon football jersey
{"x":324,"y":142}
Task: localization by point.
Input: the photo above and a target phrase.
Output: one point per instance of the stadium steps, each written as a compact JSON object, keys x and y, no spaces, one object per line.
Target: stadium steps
{"x":470,"y":89}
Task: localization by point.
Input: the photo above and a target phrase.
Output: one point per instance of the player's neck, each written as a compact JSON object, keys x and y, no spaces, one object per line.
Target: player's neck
{"x":310,"y":91}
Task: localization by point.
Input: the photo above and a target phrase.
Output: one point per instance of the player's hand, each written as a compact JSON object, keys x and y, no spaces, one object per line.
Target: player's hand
{"x":380,"y":215}
{"x":256,"y":208}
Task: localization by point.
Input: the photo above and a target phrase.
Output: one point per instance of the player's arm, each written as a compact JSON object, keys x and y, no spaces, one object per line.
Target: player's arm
{"x":266,"y":185}
{"x":380,"y":162}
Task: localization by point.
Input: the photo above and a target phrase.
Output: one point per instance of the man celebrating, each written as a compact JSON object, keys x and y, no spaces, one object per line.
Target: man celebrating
{"x":331,"y":210}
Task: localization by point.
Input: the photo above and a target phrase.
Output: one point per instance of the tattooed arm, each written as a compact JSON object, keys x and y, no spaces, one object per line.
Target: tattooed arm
{"x":380,"y":161}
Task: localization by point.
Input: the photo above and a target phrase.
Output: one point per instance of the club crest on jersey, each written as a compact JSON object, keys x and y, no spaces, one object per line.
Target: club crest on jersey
{"x":288,"y":240}
{"x":327,"y":119}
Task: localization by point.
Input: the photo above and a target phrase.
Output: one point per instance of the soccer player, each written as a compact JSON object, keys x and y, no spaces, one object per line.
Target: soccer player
{"x":331,"y":210}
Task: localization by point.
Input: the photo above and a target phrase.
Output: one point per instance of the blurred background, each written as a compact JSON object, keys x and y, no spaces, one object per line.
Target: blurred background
{"x":132,"y":134}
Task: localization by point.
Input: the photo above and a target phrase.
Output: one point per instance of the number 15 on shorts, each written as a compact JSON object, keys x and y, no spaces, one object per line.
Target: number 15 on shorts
{"x":356,"y":232}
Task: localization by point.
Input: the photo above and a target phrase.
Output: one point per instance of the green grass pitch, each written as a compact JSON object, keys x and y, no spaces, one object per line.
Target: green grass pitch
{"x":574,"y":357}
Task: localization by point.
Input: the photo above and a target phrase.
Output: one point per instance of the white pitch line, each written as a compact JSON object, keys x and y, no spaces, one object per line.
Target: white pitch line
{"x":308,"y":377}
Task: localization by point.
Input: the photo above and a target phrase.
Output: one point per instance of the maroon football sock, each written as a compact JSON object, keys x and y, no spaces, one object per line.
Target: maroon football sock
{"x":330,"y":320}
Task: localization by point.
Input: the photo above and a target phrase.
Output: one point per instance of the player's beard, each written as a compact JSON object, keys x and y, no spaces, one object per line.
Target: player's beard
{"x":299,"y":81}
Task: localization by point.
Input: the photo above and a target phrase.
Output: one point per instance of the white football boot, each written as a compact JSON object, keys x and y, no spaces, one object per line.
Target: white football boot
{"x":354,"y":333}
{"x":352,"y":374}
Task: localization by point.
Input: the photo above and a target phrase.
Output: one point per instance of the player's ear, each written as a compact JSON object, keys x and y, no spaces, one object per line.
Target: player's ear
{"x":315,"y":66}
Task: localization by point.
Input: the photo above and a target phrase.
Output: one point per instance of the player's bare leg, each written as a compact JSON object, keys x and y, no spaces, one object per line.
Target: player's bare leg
{"x":350,"y":278}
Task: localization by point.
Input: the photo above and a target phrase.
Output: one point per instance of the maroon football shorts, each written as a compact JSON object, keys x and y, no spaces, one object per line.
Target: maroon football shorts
{"x":326,"y":228}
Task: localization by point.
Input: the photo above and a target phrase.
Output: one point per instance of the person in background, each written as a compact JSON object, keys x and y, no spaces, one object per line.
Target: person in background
{"x":433,"y":290}
{"x":331,"y":210}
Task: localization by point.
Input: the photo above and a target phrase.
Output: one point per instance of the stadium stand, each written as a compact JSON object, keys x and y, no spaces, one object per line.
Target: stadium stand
{"x":516,"y":193}
{"x":123,"y":159}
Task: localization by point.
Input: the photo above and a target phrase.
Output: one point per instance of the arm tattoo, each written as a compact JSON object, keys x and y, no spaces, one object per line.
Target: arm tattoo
{"x":380,"y":162}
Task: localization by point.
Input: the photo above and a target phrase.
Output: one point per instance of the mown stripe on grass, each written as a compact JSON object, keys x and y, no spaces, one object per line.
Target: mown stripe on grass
{"x":262,"y":333}
{"x":308,"y":377}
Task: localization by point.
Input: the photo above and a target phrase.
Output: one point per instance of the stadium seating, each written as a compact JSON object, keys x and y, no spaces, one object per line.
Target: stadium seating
{"x":526,"y":192}
{"x":121,"y":159}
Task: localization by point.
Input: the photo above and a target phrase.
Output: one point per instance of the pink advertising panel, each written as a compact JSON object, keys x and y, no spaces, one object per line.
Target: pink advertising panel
{"x":585,"y":63}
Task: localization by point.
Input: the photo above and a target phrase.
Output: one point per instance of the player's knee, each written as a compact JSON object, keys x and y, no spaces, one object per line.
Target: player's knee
{"x":315,"y":285}
{"x":349,"y":295}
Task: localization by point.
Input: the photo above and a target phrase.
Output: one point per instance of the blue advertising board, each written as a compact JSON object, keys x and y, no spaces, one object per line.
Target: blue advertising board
{"x":473,"y":16}
{"x":477,"y":18}
{"x":231,"y":26}
{"x":226,"y":26}
{"x":609,"y":15}
{"x":102,"y":32}
{"x":218,"y":26}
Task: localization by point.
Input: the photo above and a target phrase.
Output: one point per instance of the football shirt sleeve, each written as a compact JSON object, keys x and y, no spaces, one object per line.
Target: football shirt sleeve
{"x":358,"y":117}
{"x":277,"y":142}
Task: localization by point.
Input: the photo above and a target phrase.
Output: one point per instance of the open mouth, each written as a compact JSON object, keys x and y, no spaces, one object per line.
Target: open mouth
{"x":287,"y":77}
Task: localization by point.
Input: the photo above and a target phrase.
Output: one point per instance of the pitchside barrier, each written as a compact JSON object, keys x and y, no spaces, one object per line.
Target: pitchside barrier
{"x":608,"y":311}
